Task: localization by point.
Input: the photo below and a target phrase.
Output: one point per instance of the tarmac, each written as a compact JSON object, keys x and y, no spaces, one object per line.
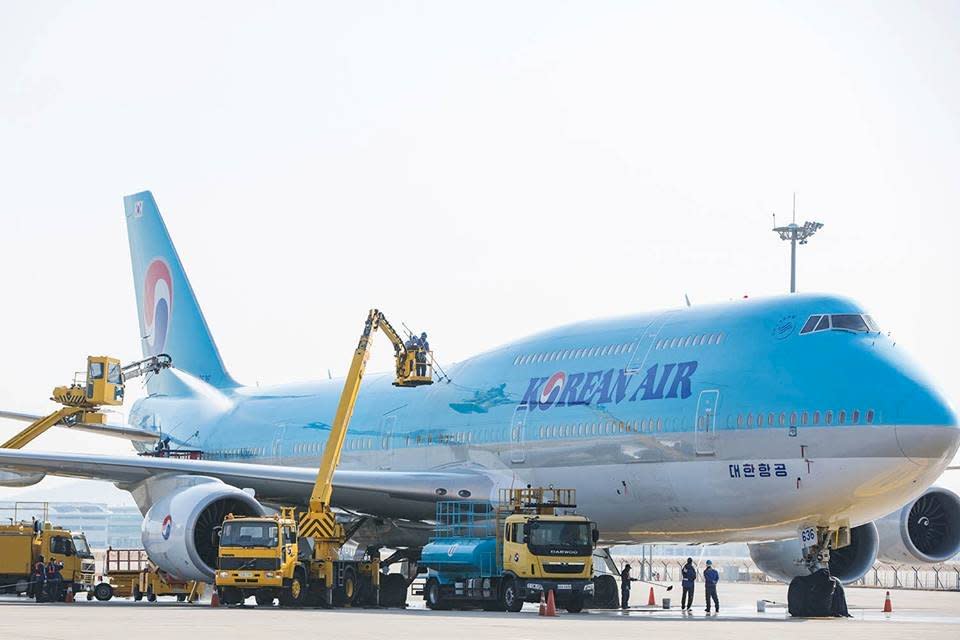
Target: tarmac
{"x":926,"y":614}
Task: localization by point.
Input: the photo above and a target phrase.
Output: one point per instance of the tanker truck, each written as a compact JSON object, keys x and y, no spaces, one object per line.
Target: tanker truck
{"x":497,"y":557}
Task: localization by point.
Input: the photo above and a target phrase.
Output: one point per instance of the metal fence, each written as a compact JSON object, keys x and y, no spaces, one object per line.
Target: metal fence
{"x":942,"y":577}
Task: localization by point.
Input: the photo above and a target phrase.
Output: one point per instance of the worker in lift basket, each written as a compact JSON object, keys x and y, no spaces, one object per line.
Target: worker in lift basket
{"x":710,"y":580}
{"x":689,"y":575}
{"x":422,"y":355}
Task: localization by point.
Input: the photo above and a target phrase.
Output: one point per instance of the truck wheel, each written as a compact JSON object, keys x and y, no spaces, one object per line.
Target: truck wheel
{"x":605,"y":594}
{"x":103,"y":591}
{"x":296,"y":594}
{"x":393,"y":590}
{"x":137,"y":595}
{"x":575,"y":605}
{"x":350,"y":588}
{"x":231,"y":595}
{"x":431,"y":593}
{"x":264,"y":599}
{"x":510,"y":595}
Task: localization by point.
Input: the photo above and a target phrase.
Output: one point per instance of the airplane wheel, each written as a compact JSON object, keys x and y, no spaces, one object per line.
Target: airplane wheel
{"x":181,"y":597}
{"x":151,"y":596}
{"x":393,"y":590}
{"x":137,"y":594}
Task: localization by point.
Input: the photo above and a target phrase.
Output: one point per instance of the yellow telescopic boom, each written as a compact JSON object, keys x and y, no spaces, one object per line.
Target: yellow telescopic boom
{"x":407,"y":375}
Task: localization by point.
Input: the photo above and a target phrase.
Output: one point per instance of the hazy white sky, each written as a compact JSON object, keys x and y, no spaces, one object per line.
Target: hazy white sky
{"x":520,"y":165}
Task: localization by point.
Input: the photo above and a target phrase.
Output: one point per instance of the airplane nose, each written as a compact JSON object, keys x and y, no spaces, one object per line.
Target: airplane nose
{"x":927,"y":428}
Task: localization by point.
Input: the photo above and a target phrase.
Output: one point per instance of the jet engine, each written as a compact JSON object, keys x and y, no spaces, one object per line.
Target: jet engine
{"x":180,"y":533}
{"x":926,"y":530}
{"x":782,"y":559}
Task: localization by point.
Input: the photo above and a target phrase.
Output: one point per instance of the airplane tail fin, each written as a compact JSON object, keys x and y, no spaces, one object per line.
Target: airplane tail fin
{"x":170,"y":318}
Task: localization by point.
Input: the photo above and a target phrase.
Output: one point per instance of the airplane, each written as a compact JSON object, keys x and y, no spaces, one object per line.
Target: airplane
{"x":748,"y":421}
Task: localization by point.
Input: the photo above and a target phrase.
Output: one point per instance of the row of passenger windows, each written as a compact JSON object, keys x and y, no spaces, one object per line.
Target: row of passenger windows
{"x":245,"y":452}
{"x":351,"y":444}
{"x":582,"y":429}
{"x":574,"y":354}
{"x":840,"y":322}
{"x":644,"y":425}
{"x":690,"y":341}
{"x":804,"y":418}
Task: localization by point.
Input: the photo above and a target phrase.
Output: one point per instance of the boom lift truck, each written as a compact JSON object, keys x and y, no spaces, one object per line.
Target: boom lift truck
{"x":499,"y":558}
{"x":104,"y":386}
{"x":298,"y":559}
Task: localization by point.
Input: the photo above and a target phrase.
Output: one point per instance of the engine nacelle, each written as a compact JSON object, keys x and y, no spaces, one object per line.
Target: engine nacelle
{"x":926,"y":530}
{"x":179,"y":530}
{"x":782,"y":559}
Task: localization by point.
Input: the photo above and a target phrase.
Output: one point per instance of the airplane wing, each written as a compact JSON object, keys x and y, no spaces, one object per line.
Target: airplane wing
{"x":114,"y":430}
{"x":391,"y":494}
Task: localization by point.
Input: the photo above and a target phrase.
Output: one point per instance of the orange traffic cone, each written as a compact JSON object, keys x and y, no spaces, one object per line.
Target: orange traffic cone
{"x":887,"y":605}
{"x":551,"y":605}
{"x":215,"y":599}
{"x":543,"y":605}
{"x":652,"y":600}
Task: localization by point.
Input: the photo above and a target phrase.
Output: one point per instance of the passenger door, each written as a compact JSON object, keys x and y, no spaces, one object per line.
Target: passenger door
{"x":388,"y":425}
{"x":277,"y":449}
{"x":517,"y":439}
{"x":706,"y":423}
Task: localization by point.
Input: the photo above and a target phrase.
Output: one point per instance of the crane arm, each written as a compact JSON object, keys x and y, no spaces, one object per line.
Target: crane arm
{"x":39,"y":426}
{"x":323,"y":487}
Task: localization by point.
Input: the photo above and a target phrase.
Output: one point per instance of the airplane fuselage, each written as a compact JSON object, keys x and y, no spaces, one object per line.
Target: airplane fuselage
{"x":708,"y":424}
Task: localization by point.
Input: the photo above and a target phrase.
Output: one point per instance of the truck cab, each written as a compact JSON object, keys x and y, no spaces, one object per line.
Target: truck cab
{"x":259,"y":556}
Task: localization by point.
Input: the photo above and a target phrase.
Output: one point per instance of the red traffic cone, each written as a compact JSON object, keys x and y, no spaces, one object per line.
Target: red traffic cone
{"x":652,"y":600}
{"x":551,"y":605}
{"x":543,"y":605}
{"x":887,"y":605}
{"x":215,"y":599}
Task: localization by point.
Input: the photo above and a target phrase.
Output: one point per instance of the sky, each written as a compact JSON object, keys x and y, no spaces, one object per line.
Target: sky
{"x":478,"y":170}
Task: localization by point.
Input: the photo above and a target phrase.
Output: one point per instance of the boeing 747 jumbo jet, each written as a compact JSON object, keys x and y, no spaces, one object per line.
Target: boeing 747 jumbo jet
{"x":754,"y":421}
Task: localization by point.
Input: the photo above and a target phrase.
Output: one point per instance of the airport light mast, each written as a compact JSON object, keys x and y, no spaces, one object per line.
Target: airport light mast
{"x":796,"y":234}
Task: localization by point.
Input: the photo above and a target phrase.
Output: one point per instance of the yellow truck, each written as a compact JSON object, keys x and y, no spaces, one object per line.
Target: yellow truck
{"x":499,"y":556}
{"x":129,"y":573}
{"x":24,"y":543}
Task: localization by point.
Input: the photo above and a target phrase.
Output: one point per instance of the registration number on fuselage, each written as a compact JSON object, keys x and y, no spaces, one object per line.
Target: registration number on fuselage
{"x":758,"y":470}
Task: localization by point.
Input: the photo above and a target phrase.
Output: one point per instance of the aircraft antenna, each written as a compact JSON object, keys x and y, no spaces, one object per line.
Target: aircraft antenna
{"x":796,"y":234}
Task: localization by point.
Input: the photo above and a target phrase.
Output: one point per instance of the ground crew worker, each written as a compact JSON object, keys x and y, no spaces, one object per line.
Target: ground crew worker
{"x":37,"y":579}
{"x":625,"y":580}
{"x":422,"y":355}
{"x":53,"y":582}
{"x":710,"y":580}
{"x":689,"y":575}
{"x":411,"y":346}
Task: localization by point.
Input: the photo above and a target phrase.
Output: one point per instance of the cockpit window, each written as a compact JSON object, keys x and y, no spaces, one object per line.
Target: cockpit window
{"x":854,"y":322}
{"x":810,"y":325}
{"x":849,"y":322}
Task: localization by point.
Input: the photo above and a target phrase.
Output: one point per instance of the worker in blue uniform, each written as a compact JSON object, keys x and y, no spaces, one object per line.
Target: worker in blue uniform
{"x":689,"y":576}
{"x":710,"y":580}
